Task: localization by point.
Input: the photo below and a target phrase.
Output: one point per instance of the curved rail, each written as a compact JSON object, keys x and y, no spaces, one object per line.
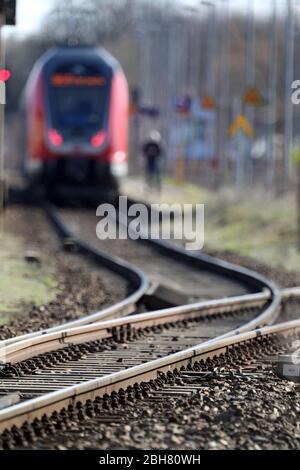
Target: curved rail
{"x":204,"y":261}
{"x":27,"y":347}
{"x":36,"y":408}
{"x":121,"y":267}
{"x":30,"y":347}
{"x":140,"y":281}
{"x":90,"y":328}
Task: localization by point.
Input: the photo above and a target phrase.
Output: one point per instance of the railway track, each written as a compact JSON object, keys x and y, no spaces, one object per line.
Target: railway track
{"x":47,"y":371}
{"x":233,"y":400}
{"x":193,"y":277}
{"x":20,"y":423}
{"x":217,"y":271}
{"x":42,"y":371}
{"x":143,"y":291}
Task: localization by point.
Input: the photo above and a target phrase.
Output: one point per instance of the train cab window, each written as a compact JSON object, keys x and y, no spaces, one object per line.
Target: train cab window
{"x":78,"y":101}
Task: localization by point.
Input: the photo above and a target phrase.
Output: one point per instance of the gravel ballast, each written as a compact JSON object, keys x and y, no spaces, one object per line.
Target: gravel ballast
{"x":235,"y":404}
{"x":82,"y":286}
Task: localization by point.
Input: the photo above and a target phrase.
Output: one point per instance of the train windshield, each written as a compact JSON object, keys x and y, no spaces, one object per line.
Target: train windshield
{"x":78,"y":101}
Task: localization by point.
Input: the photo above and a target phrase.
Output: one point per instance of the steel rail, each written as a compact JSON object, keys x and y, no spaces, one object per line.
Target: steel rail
{"x":121,"y":267}
{"x":16,"y":351}
{"x":204,"y":261}
{"x":54,"y":401}
{"x":62,"y":337}
{"x":290,"y":293}
{"x":27,"y":348}
{"x":140,"y":280}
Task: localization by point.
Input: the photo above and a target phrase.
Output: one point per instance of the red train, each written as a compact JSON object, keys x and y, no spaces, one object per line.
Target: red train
{"x":76,"y":113}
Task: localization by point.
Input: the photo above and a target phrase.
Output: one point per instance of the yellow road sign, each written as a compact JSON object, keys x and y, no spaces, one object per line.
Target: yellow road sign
{"x":241,"y":123}
{"x":253,"y":97}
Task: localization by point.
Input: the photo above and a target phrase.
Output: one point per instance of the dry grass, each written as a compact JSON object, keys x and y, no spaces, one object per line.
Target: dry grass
{"x":252,"y":223}
{"x":20,"y":281}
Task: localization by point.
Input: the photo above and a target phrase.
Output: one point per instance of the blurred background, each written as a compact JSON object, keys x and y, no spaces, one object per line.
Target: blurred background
{"x":193,"y":68}
{"x":213,"y":77}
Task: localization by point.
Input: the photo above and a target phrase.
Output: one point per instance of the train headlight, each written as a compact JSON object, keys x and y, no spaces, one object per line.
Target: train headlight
{"x":119,"y":157}
{"x":55,"y":137}
{"x":98,"y":139}
{"x":119,"y":164}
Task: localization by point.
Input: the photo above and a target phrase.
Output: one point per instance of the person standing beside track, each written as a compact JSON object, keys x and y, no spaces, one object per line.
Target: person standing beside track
{"x":153,"y":151}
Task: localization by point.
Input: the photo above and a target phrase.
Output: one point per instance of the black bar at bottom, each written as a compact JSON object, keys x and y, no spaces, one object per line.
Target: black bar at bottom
{"x":135,"y":459}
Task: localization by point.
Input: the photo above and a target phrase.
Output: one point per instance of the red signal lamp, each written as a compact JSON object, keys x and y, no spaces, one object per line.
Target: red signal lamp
{"x":4,"y":75}
{"x":98,"y":139}
{"x":55,"y":138}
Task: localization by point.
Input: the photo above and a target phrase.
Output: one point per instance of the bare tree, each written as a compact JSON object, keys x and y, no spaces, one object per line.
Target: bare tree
{"x":74,"y":22}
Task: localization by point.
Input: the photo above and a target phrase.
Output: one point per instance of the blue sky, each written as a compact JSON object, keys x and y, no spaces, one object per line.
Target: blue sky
{"x":31,"y":12}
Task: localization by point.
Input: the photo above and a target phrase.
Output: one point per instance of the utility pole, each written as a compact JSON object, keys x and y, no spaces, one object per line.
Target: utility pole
{"x":250,"y":53}
{"x":7,"y":17}
{"x":2,"y":106}
{"x":224,"y":91}
{"x":298,"y":204}
{"x":250,"y":78}
{"x":289,"y":72}
{"x":210,"y":134}
{"x":211,"y":50}
{"x":272,"y":95}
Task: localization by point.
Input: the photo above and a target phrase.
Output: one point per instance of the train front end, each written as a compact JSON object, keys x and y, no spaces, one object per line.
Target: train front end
{"x":77,"y":122}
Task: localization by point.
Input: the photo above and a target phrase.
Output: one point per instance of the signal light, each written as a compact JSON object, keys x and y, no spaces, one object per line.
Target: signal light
{"x":4,"y":75}
{"x":98,"y":139}
{"x":55,"y":138}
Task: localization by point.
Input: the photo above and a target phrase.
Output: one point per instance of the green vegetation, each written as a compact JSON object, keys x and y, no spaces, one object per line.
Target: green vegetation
{"x":255,"y":223}
{"x":20,"y":281}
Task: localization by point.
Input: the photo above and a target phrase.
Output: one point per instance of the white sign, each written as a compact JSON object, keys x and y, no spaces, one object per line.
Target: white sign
{"x":2,"y":93}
